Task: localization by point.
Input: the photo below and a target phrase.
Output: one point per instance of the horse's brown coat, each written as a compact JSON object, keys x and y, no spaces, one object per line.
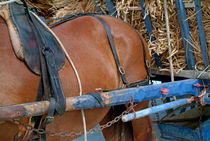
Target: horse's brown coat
{"x":86,"y":42}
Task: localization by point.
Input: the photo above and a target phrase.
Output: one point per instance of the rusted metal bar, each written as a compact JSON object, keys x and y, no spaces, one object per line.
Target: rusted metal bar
{"x":23,"y":110}
{"x":104,"y":99}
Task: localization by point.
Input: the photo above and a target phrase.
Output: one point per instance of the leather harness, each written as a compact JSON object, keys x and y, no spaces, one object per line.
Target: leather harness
{"x":117,"y":60}
{"x":44,"y":57}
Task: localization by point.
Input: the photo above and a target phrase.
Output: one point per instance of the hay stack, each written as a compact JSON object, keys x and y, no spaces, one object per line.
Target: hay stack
{"x":128,"y":10}
{"x":160,"y":46}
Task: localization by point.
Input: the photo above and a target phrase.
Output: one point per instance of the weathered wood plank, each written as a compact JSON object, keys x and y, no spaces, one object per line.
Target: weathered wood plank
{"x":193,"y":74}
{"x":187,"y":5}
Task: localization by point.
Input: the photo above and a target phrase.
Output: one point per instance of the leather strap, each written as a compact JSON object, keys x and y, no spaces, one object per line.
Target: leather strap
{"x":147,"y":65}
{"x":50,"y":77}
{"x":115,"y":54}
{"x":51,"y":87}
{"x":114,"y":51}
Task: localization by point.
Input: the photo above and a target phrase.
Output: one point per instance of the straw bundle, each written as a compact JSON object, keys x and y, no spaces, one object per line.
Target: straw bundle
{"x":73,"y":6}
{"x":156,"y":11}
{"x":45,"y":7}
{"x":129,"y":11}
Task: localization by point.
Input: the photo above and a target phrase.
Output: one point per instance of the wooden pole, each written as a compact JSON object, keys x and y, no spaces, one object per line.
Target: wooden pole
{"x":99,"y":100}
{"x":183,"y":73}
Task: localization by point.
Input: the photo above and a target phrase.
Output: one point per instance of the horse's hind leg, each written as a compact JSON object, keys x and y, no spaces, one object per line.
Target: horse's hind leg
{"x":142,"y":128}
{"x":138,"y":130}
{"x":119,"y":131}
{"x":8,"y":131}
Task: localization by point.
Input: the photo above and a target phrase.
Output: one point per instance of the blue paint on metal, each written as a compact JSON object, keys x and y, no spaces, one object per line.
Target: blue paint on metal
{"x":155,"y":109}
{"x":118,"y":97}
{"x":85,"y":102}
{"x":185,"y":30}
{"x":206,"y":100}
{"x":177,"y":133}
{"x":149,"y":28}
{"x":201,"y":32}
{"x":111,"y":8}
{"x":177,"y":88}
{"x":98,"y":6}
{"x":147,"y":20}
{"x":205,"y":130}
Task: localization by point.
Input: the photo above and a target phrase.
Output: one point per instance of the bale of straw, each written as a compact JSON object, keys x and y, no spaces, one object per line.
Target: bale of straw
{"x":45,"y":7}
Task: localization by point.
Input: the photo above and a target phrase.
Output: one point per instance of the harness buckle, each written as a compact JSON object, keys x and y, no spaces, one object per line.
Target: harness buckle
{"x":49,"y":119}
{"x":46,"y":50}
{"x":147,"y":63}
{"x":121,"y":70}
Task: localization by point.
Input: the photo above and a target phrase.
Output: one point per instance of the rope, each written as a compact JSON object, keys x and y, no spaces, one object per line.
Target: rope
{"x":202,"y":71}
{"x":75,"y":71}
{"x":169,"y":42}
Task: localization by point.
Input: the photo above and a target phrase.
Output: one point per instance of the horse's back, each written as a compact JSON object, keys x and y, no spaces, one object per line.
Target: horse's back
{"x":88,"y":35}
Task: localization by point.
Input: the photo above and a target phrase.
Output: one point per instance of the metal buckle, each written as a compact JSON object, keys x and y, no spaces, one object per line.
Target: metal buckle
{"x":121,"y":70}
{"x":49,"y":119}
{"x":147,"y":63}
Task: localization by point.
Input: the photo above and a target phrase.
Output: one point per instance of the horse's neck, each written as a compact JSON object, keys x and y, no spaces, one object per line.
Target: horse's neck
{"x":15,"y":38}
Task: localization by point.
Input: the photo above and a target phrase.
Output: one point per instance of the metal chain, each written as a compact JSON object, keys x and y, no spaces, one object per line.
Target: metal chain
{"x":73,"y":134}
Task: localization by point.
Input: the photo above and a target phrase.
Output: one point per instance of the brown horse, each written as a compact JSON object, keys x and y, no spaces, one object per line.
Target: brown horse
{"x":86,"y":42}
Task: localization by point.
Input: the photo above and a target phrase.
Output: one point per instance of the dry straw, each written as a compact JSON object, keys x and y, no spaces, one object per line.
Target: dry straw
{"x":129,"y":11}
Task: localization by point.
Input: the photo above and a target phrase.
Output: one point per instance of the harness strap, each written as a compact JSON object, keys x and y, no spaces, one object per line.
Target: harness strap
{"x":146,"y":62}
{"x":114,"y":51}
{"x":120,"y":68}
{"x":147,"y":65}
{"x":50,"y":85}
{"x":50,"y":77}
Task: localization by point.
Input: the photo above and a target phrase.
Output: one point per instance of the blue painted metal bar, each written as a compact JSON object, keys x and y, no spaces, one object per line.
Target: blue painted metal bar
{"x":201,"y":32}
{"x":205,"y":130}
{"x":155,"y":109}
{"x":149,"y":28}
{"x":206,"y":100}
{"x":147,"y":20}
{"x":185,"y":30}
{"x":177,"y":133}
{"x":111,"y":8}
{"x":112,"y":98}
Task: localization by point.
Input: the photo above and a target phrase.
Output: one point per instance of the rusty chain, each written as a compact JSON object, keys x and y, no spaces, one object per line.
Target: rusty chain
{"x":73,"y":134}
